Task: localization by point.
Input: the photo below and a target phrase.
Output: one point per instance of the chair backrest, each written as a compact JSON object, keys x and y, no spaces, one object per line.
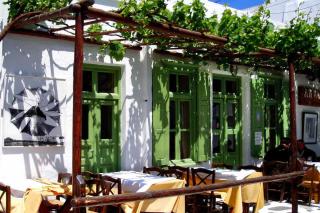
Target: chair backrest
{"x":106,"y":187}
{"x":153,"y":171}
{"x":93,"y":182}
{"x":115,"y":182}
{"x":221,"y":165}
{"x":202,"y":176}
{"x":275,"y":167}
{"x":5,"y":198}
{"x":186,"y":173}
{"x":81,"y":186}
{"x":65,"y":178}
{"x":310,"y":173}
{"x":257,"y":169}
{"x":173,"y":173}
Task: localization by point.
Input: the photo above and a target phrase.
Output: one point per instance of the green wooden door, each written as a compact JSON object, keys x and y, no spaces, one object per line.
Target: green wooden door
{"x":99,"y":140}
{"x":270,"y":113}
{"x":226,"y":145}
{"x":100,"y":118}
{"x":226,"y":141}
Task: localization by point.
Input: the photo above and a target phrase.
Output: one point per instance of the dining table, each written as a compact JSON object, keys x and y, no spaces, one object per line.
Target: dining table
{"x":234,"y":197}
{"x":133,"y":182}
{"x":28,"y":195}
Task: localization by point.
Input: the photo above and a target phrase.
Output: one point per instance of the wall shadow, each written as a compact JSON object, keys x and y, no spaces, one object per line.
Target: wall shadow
{"x":30,"y":56}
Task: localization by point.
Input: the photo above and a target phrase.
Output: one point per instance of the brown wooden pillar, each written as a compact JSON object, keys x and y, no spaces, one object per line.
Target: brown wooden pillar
{"x":77,"y":99}
{"x":293,"y":136}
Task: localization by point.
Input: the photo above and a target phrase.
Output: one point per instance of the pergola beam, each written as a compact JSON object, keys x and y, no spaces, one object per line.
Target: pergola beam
{"x":47,"y":16}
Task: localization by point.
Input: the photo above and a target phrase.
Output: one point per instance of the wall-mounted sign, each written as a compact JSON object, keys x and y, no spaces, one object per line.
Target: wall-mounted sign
{"x":33,"y":111}
{"x":308,"y":96}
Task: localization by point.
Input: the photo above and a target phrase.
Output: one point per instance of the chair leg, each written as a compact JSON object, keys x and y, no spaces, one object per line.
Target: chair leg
{"x":245,"y":207}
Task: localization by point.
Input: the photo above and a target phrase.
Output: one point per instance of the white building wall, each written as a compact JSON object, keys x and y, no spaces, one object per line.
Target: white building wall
{"x":303,"y":81}
{"x":33,"y":56}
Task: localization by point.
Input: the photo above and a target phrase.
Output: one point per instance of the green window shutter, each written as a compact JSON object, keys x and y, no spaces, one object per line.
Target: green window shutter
{"x":257,"y":117}
{"x":160,"y":115}
{"x":285,"y":114}
{"x":203,"y":105}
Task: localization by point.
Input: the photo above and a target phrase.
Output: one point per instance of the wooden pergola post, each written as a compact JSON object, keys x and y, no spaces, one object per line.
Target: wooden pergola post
{"x":77,"y":99}
{"x":293,"y":135}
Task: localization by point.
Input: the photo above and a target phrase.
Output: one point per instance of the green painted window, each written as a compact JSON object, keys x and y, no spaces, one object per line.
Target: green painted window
{"x":179,"y":132}
{"x":100,"y":118}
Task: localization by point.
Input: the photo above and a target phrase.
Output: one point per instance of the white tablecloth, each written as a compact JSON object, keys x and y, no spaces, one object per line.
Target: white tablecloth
{"x":132,"y":181}
{"x":228,"y":174}
{"x":316,"y":164}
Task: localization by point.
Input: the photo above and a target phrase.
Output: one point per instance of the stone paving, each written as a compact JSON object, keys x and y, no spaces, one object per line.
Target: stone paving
{"x":277,"y":207}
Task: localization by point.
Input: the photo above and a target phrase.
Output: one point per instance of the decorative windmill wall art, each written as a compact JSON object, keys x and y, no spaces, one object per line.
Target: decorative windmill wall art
{"x":33,"y":111}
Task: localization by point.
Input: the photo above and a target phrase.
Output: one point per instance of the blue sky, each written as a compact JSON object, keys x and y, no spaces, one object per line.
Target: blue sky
{"x":240,"y":4}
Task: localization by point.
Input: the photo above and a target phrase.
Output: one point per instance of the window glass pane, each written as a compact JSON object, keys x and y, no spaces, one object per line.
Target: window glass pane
{"x":173,"y":83}
{"x":216,"y":116}
{"x":87,"y":81}
{"x":272,"y":138}
{"x":216,"y":86}
{"x":215,"y":144}
{"x":185,"y":114}
{"x":106,"y":122}
{"x":183,"y":83}
{"x":231,"y":143}
{"x":185,"y":145}
{"x":231,"y":113}
{"x":172,"y":115}
{"x":269,"y":91}
{"x":231,"y":87}
{"x":85,"y":119}
{"x":273,"y":115}
{"x":172,"y":145}
{"x":105,"y":82}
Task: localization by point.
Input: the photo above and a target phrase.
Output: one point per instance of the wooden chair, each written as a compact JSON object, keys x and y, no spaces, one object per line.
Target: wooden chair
{"x":276,"y":187}
{"x":57,"y":204}
{"x":116,"y":188}
{"x":65,"y":178}
{"x":82,"y":186}
{"x":173,"y":173}
{"x":5,"y":196}
{"x":186,"y":173}
{"x":307,"y":184}
{"x":116,"y":183}
{"x":157,"y":171}
{"x":221,"y":165}
{"x":206,"y":200}
{"x":92,"y":181}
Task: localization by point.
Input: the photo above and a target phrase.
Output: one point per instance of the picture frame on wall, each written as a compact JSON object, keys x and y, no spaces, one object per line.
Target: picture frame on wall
{"x":310,"y":127}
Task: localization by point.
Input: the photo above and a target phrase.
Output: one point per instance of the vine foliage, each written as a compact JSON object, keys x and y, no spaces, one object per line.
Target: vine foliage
{"x":245,"y":34}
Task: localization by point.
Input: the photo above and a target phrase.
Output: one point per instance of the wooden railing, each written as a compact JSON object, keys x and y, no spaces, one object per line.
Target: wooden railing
{"x":123,"y":198}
